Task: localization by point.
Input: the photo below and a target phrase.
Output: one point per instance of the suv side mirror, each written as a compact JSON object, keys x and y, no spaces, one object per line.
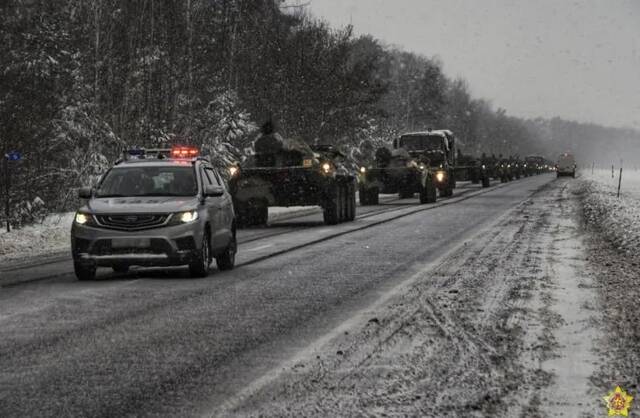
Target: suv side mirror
{"x":213,"y":191}
{"x":85,"y":193}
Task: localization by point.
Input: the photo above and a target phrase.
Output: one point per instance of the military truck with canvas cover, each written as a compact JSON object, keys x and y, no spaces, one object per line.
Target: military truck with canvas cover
{"x":288,"y":172}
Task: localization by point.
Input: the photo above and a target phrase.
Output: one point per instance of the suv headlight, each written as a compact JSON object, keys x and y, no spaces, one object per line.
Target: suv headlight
{"x":83,"y":218}
{"x":184,"y":217}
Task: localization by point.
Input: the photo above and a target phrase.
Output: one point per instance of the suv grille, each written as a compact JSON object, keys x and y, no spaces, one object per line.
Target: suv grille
{"x":132,"y":222}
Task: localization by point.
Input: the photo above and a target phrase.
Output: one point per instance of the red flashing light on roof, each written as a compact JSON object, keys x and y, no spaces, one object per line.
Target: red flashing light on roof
{"x":184,"y":152}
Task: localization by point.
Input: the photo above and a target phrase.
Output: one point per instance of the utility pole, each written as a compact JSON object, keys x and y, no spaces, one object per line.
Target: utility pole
{"x":592,"y":167}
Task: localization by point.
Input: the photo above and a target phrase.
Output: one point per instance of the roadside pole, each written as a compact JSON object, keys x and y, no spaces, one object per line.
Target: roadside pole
{"x":612,"y":175}
{"x":7,"y":208}
{"x":619,"y":181}
{"x":593,"y":164}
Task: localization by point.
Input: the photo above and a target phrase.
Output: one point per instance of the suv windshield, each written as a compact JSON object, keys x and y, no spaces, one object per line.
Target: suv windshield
{"x":421,"y":142}
{"x":148,"y":181}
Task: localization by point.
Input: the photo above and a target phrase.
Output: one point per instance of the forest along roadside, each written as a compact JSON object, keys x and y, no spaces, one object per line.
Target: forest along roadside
{"x":504,"y":325}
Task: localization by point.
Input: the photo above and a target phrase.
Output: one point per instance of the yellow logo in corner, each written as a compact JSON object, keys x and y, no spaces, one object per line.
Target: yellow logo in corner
{"x":618,"y":402}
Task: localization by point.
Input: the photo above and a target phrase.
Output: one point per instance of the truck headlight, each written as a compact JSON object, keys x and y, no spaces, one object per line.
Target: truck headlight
{"x":326,"y":168}
{"x":440,"y":176}
{"x":363,"y":170}
{"x":234,"y":170}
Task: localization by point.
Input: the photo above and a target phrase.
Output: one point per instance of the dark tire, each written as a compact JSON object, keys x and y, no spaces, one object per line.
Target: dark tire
{"x":405,"y":192}
{"x":227,"y":260}
{"x":120,"y":268}
{"x":84,"y":272}
{"x":351,"y":203}
{"x":363,"y":195}
{"x":253,"y":214}
{"x":331,"y":213}
{"x":428,"y":194}
{"x":486,"y":181}
{"x":344,"y":203}
{"x":199,"y":266}
{"x":573,"y":175}
{"x":374,"y":196}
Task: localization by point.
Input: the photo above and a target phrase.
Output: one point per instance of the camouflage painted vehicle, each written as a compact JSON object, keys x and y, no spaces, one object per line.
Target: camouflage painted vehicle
{"x":288,"y":172}
{"x":534,"y":164}
{"x":419,"y":162}
{"x":505,"y":173}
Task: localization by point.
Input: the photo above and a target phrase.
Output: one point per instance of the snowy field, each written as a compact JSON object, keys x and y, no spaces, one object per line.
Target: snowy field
{"x":618,"y":219}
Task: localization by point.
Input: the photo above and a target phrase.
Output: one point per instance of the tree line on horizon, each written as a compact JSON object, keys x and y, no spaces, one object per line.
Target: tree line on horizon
{"x":83,"y":80}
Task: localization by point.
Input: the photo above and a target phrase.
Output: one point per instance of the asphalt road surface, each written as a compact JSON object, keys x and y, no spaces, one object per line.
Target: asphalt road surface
{"x":155,"y":341}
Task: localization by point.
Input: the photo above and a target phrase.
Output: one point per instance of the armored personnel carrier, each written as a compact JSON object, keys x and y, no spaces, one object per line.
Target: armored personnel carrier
{"x":419,"y":162}
{"x":288,"y":172}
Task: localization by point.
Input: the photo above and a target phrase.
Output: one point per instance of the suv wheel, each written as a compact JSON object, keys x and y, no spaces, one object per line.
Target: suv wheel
{"x":199,"y":266}
{"x":84,"y":272}
{"x":227,"y":259}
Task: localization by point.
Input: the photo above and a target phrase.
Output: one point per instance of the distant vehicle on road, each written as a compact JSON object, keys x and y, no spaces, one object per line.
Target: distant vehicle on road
{"x":566,"y":165}
{"x":288,"y":172}
{"x":155,"y":208}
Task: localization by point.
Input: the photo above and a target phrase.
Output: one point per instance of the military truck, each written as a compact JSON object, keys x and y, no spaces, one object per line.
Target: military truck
{"x":288,"y":172}
{"x":534,"y":164}
{"x":419,"y":162}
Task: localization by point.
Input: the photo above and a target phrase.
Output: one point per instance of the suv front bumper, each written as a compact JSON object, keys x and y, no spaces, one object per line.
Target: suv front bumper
{"x":164,"y":246}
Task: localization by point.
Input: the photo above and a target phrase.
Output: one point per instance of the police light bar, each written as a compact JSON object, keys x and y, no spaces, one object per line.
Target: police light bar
{"x":184,"y":152}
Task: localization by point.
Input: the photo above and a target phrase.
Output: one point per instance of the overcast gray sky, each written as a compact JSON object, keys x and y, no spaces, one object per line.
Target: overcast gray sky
{"x":575,"y":59}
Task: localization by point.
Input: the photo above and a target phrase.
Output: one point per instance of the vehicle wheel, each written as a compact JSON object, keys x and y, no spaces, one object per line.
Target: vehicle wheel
{"x":363,"y":195}
{"x":120,"y":268}
{"x":199,"y":266}
{"x":84,"y":272}
{"x":331,"y":213}
{"x":227,"y":259}
{"x":573,"y":175}
{"x":254,"y":214}
{"x":405,"y":192}
{"x":428,"y":194}
{"x":486,"y":181}
{"x":374,"y":197}
{"x":344,"y":203}
{"x":351,"y":200}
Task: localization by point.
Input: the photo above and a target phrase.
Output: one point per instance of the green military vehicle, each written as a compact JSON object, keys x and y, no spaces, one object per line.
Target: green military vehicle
{"x":419,"y":162}
{"x":534,"y":164}
{"x":288,"y":172}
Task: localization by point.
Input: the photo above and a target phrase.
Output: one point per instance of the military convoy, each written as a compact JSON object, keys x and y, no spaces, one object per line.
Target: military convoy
{"x":288,"y":172}
{"x":426,"y":163}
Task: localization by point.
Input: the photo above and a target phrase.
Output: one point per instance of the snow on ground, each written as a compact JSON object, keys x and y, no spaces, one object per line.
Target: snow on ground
{"x":502,"y":326}
{"x":616,"y":218}
{"x":50,"y":236}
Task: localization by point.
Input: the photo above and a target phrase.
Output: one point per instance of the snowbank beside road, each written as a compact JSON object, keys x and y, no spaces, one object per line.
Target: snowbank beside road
{"x":617,"y":219}
{"x":50,"y":236}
